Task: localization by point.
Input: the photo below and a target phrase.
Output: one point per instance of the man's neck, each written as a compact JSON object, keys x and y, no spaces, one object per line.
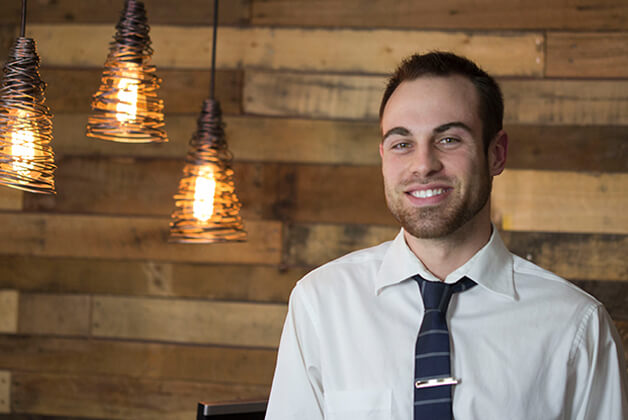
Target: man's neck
{"x":441,"y":256}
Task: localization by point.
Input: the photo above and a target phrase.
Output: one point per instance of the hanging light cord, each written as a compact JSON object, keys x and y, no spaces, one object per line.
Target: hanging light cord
{"x":23,"y":31}
{"x":213,"y":71}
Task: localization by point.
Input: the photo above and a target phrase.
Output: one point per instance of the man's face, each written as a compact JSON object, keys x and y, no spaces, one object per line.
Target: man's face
{"x":436,"y":175}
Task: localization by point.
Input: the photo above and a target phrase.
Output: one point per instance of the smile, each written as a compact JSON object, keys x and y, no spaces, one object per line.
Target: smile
{"x":427,"y":193}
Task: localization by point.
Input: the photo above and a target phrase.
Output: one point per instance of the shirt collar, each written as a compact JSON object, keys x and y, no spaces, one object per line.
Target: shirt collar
{"x":490,"y":267}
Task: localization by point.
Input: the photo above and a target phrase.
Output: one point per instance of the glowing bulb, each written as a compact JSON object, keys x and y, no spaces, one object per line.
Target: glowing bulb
{"x":204,"y":190}
{"x":23,"y":145}
{"x":128,"y":86}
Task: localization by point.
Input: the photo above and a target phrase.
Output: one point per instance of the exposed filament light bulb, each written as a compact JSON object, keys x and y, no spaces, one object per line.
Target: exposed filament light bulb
{"x":23,"y":146}
{"x":128,"y":87}
{"x":204,"y":192}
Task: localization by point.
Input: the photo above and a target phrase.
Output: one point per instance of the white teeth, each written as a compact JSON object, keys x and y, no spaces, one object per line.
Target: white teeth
{"x":427,"y":193}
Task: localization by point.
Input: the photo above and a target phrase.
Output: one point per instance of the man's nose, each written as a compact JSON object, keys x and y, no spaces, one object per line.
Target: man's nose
{"x":426,"y":161}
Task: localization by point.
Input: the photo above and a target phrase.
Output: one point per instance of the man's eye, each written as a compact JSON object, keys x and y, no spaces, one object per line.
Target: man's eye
{"x":448,"y":140}
{"x":401,"y":146}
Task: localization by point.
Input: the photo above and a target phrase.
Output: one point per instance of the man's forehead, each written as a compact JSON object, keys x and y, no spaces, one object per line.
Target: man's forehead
{"x":432,"y":101}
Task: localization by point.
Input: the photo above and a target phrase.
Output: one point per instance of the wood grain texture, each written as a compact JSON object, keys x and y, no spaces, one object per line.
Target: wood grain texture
{"x":452,"y":14}
{"x":331,"y":50}
{"x":10,"y":198}
{"x":550,"y":201}
{"x":129,"y":186}
{"x":568,"y":148}
{"x":587,"y":54}
{"x":9,"y":309}
{"x":573,"y":256}
{"x":70,"y":90}
{"x":128,"y":238}
{"x":230,"y":282}
{"x":194,"y":12}
{"x":5,"y":392}
{"x":188,"y":321}
{"x":119,"y":397}
{"x":54,"y":314}
{"x":96,"y":357}
{"x":551,"y":102}
{"x":250,"y":138}
{"x":260,"y":139}
{"x":317,"y":193}
{"x":315,"y":244}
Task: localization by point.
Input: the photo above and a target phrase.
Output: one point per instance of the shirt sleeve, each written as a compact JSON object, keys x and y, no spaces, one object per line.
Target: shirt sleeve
{"x":296,"y":391}
{"x":598,"y":371}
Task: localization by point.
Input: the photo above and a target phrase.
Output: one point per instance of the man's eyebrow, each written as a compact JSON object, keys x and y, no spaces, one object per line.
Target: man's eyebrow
{"x":402,"y":131}
{"x":454,"y":124}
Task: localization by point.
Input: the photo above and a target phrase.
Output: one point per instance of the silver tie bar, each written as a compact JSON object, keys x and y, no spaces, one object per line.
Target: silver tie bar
{"x":436,"y":382}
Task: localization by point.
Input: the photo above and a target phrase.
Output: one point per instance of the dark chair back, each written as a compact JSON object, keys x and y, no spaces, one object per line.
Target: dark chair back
{"x":236,"y":410}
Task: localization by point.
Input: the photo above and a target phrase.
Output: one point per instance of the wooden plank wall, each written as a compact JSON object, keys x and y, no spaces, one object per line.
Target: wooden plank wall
{"x":101,"y":318}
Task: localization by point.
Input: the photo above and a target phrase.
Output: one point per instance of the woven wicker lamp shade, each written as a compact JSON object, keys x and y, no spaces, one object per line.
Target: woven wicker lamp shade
{"x":26,"y":156}
{"x":207,"y":209}
{"x":126,"y":107}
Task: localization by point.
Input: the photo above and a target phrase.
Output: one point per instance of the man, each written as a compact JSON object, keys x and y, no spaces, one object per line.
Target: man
{"x":518,"y":343}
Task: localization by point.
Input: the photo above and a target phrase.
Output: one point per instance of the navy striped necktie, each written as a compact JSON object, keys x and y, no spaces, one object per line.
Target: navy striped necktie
{"x":432,"y":372}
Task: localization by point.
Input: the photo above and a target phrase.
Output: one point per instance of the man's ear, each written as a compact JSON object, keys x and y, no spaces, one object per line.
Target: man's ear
{"x":381,"y":149}
{"x":497,"y":152}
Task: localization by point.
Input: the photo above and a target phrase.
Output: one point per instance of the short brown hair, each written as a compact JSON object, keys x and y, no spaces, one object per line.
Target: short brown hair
{"x":440,"y":63}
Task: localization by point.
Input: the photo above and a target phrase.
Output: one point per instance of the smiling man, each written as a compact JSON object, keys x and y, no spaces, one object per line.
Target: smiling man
{"x":444,"y":322}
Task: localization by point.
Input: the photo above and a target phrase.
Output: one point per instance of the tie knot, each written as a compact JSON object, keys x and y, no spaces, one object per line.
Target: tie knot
{"x":436,"y":294}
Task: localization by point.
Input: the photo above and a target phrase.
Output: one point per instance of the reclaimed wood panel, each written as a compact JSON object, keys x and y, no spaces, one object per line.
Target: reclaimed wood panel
{"x":129,"y":186}
{"x":526,"y":200}
{"x":331,"y":50}
{"x":349,"y":194}
{"x":96,"y":357}
{"x":9,"y":304}
{"x":41,"y":313}
{"x":250,"y":138}
{"x":188,"y":321}
{"x":195,"y":12}
{"x":234,"y":282}
{"x":575,"y":256}
{"x":8,"y":33}
{"x":5,"y":392}
{"x":119,"y":397}
{"x":70,"y":90}
{"x":316,"y":244}
{"x":587,"y":54}
{"x":552,"y":102}
{"x":129,"y":238}
{"x":568,"y":148}
{"x":451,"y":14}
{"x":10,"y":198}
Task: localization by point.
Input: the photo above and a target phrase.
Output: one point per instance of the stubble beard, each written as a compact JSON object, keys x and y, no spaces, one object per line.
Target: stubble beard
{"x":440,"y":221}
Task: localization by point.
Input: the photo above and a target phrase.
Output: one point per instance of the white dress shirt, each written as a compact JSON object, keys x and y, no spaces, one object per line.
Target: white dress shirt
{"x":525,"y":343}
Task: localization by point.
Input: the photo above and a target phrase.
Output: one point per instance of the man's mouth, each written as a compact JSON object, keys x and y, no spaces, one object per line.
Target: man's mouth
{"x":427,"y":193}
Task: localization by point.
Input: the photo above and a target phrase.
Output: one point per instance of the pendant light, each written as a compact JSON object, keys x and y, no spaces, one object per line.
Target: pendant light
{"x":207,"y":209}
{"x":126,"y":107}
{"x":26,"y":156}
